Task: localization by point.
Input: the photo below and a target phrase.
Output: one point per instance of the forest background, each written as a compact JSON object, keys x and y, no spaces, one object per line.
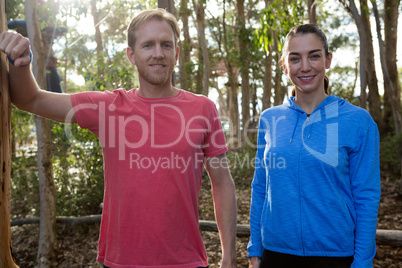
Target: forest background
{"x":230,"y":51}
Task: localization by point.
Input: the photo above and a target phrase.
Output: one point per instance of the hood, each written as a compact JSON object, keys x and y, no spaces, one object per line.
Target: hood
{"x":330,"y":103}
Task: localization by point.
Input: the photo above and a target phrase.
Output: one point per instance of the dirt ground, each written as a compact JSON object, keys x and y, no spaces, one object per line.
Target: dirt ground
{"x":77,"y":247}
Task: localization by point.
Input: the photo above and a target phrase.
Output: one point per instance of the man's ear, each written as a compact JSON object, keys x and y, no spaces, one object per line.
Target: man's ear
{"x":130,"y":55}
{"x":177,"y":53}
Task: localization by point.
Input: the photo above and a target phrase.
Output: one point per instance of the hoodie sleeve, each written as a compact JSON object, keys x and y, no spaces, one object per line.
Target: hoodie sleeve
{"x":366,"y":190}
{"x":255,"y":248}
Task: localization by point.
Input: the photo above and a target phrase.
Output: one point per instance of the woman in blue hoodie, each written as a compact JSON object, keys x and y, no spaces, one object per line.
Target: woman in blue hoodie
{"x":316,"y":186}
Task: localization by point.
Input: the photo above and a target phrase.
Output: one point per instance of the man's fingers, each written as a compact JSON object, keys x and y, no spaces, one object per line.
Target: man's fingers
{"x":16,"y":47}
{"x":22,"y":61}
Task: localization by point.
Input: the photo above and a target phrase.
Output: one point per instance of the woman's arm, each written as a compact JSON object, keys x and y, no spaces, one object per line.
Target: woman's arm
{"x":366,"y":189}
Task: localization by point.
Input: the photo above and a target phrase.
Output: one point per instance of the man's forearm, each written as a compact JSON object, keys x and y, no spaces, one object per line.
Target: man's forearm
{"x":226,"y":217}
{"x":26,"y":95}
{"x":23,"y":88}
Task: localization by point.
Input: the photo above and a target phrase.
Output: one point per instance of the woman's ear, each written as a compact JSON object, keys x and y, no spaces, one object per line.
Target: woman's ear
{"x":328,"y":61}
{"x":285,"y":68}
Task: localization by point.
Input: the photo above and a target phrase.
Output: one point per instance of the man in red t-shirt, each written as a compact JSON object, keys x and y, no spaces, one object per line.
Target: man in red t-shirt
{"x":155,"y":141}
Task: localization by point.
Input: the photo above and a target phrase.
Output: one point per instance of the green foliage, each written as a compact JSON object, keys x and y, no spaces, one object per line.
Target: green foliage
{"x":24,"y":182}
{"x":390,"y":156}
{"x":241,"y":165}
{"x":335,"y":22}
{"x":343,"y":83}
{"x":77,"y":170}
{"x":116,"y":76}
{"x":15,"y":9}
{"x":278,"y":18}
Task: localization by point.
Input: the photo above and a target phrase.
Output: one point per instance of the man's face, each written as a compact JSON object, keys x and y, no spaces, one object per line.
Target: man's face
{"x":155,"y":53}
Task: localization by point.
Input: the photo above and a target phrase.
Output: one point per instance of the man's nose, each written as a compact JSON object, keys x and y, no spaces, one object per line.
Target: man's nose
{"x":158,"y":52}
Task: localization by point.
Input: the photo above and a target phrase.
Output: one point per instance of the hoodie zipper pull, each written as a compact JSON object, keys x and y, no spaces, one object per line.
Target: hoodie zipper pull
{"x":308,"y":116}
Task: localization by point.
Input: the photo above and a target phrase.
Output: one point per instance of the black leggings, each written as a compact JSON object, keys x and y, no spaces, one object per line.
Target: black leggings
{"x":271,"y":259}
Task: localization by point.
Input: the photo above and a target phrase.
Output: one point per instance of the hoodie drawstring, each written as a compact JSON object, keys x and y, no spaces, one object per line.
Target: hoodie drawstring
{"x":294,"y":130}
{"x":311,"y":125}
{"x":310,"y":128}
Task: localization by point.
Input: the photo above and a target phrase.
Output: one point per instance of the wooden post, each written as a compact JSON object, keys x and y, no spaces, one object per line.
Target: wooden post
{"x":6,"y":258}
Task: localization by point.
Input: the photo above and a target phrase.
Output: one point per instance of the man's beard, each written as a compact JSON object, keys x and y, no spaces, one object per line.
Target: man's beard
{"x":154,"y":77}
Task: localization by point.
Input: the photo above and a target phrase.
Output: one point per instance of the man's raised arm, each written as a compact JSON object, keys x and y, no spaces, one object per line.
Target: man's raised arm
{"x":24,"y":91}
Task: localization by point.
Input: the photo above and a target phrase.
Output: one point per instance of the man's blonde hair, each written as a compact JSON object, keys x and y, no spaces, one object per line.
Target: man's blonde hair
{"x":151,"y":14}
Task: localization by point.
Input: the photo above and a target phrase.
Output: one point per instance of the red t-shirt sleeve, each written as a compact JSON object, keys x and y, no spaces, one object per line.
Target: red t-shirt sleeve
{"x":91,"y":107}
{"x":214,"y":143}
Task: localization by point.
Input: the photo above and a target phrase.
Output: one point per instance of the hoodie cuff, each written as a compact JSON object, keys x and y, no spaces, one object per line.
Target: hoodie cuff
{"x":255,"y":251}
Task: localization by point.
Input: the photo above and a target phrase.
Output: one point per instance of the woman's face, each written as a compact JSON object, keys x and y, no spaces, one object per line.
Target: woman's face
{"x":305,"y":63}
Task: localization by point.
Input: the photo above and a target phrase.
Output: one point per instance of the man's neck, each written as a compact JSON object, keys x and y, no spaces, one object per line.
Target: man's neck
{"x":151,"y":91}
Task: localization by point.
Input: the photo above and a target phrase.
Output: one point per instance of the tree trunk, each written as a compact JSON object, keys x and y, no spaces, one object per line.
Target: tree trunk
{"x":390,"y":50}
{"x":47,"y":195}
{"x":223,"y":108}
{"x":168,"y":5}
{"x":367,"y":67}
{"x":387,"y":77}
{"x":200,"y":14}
{"x":312,"y":14}
{"x":47,"y":230}
{"x":6,"y":258}
{"x":267,"y":90}
{"x":374,"y":100}
{"x":254,"y":104}
{"x":352,"y":10}
{"x":233,"y":87}
{"x":99,"y":44}
{"x":267,"y":93}
{"x":279,"y":92}
{"x":185,"y":48}
{"x":389,"y":84}
{"x":244,"y":71}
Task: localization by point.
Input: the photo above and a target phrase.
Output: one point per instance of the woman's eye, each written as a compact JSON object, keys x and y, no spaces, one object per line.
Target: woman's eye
{"x":315,"y":56}
{"x":294,"y":59}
